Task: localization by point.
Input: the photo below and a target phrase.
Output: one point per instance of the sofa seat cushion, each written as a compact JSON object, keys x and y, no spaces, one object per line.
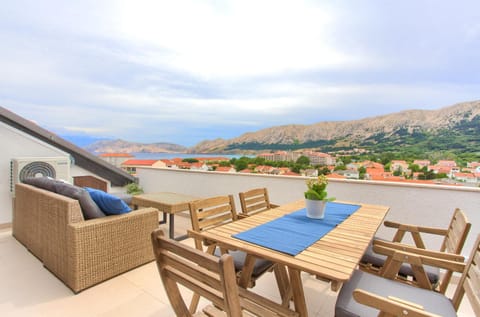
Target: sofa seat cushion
{"x":346,"y":306}
{"x":90,"y":209}
{"x":378,"y":260}
{"x":260,"y":266}
{"x":109,"y":204}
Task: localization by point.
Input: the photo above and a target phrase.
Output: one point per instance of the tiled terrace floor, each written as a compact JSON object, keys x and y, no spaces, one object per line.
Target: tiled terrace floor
{"x":28,"y":289}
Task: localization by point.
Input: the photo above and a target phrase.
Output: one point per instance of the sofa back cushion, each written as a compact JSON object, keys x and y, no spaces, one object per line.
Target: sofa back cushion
{"x":43,"y":182}
{"x":90,"y":209}
{"x":109,"y":204}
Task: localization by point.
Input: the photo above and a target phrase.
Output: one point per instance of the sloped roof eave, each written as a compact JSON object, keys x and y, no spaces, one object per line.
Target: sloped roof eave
{"x":81,"y":157}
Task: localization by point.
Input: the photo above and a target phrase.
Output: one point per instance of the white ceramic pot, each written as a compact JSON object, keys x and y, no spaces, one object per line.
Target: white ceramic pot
{"x":315,"y":208}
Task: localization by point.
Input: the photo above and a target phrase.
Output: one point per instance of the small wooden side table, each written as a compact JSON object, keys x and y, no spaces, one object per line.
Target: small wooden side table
{"x":168,"y":203}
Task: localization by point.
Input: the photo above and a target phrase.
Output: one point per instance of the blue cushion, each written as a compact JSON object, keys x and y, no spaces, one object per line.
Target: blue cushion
{"x":109,"y":204}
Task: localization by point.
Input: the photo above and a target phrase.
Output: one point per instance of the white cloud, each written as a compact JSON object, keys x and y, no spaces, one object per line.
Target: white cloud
{"x":157,"y":69}
{"x":233,"y":38}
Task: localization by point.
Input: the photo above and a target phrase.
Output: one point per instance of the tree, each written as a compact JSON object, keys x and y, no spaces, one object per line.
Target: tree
{"x":241,"y":163}
{"x":190,"y":160}
{"x":361,"y":172}
{"x":303,"y":160}
{"x":323,"y":171}
{"x":414,"y":168}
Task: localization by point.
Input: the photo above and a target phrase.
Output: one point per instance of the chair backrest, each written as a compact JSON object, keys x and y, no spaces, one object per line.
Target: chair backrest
{"x":456,"y":233}
{"x":254,"y":200}
{"x":454,"y":241}
{"x":211,"y":212}
{"x":209,"y":276}
{"x":470,"y":281}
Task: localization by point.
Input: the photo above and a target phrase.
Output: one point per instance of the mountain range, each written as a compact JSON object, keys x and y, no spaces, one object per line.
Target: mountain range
{"x":122,"y":146}
{"x":455,"y":128}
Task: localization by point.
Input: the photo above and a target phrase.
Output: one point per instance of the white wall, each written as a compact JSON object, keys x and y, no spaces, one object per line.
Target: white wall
{"x":429,"y":205}
{"x":15,"y":143}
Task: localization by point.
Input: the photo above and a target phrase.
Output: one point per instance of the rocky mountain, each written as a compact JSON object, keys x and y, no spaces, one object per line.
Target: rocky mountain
{"x":459,"y":123}
{"x":121,"y":146}
{"x":455,"y":128}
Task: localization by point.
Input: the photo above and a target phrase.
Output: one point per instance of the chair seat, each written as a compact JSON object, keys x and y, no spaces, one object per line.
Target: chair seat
{"x":261,"y":265}
{"x":378,"y":260}
{"x":433,"y":302}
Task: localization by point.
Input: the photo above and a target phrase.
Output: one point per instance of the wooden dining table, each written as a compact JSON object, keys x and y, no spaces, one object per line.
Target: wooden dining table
{"x":333,"y":258}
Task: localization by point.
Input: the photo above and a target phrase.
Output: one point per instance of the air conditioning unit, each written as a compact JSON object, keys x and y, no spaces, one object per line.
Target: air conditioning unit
{"x":54,"y":167}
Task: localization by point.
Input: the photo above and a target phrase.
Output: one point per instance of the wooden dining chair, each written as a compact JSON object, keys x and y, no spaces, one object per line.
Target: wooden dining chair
{"x":215,"y":211}
{"x":254,"y":201}
{"x":211,"y":277}
{"x":454,"y":240}
{"x":367,"y":294}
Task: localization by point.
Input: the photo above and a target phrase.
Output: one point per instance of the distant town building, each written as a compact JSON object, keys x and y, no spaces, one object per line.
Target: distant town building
{"x":130,"y":166}
{"x":316,"y":158}
{"x":422,"y":163}
{"x":225,"y":169}
{"x":319,"y":158}
{"x":446,"y":163}
{"x":399,"y":165}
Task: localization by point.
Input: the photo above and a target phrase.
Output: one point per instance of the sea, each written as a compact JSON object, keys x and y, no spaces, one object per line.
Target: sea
{"x":159,"y":156}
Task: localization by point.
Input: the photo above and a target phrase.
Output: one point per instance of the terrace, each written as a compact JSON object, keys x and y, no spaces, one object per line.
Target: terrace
{"x":28,"y":289}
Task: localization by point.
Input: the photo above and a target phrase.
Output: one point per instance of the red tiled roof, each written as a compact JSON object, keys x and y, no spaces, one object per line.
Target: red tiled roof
{"x":224,"y":169}
{"x":335,"y":175}
{"x":139,"y":162}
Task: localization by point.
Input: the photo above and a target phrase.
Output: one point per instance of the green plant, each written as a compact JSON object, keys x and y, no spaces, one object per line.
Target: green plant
{"x":134,"y":189}
{"x":317,"y":189}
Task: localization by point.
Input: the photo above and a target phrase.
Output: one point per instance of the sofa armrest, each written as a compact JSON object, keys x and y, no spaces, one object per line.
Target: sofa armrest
{"x":101,"y":248}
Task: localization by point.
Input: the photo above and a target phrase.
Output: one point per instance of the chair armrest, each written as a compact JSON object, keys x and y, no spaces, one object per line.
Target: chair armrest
{"x":396,"y":258}
{"x":437,"y":260}
{"x":392,"y":306}
{"x":105,"y":247}
{"x":415,"y":250}
{"x":414,"y":228}
{"x":414,"y":231}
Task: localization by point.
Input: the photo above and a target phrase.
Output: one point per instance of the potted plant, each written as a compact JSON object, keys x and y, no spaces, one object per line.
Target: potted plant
{"x":316,"y":197}
{"x":134,"y":189}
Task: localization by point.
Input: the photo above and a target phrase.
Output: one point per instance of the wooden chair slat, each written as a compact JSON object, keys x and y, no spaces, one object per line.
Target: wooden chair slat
{"x":254,"y":201}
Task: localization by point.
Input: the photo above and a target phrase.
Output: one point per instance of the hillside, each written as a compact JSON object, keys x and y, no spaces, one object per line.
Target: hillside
{"x":451,"y":128}
{"x":121,"y":146}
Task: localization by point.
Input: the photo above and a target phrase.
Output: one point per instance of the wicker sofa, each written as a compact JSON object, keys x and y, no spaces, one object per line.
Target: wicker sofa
{"x":80,"y":253}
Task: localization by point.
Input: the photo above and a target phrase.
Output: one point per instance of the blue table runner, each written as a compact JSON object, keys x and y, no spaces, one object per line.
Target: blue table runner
{"x":295,"y":232}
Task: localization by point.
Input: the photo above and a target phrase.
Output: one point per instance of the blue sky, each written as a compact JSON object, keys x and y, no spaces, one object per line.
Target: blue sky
{"x":185,"y":71}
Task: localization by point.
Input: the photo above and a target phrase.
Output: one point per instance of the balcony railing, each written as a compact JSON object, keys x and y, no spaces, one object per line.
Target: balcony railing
{"x":429,"y":205}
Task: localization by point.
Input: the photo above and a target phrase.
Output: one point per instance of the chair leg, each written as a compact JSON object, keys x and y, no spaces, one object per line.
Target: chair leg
{"x":194,"y":303}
